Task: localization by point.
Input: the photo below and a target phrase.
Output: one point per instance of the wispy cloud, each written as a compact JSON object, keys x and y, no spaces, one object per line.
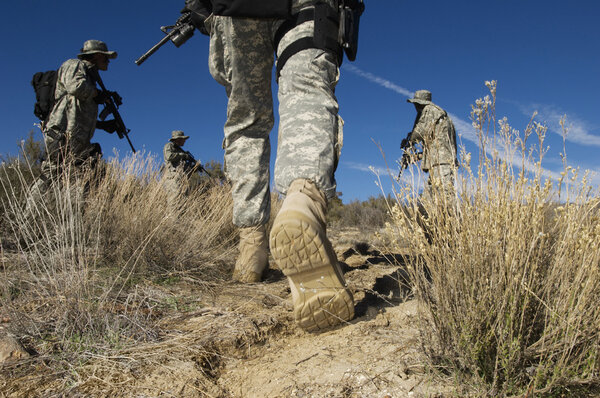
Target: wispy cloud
{"x":463,"y":127}
{"x":378,"y":80}
{"x":409,"y":176}
{"x":578,"y":130}
{"x":367,"y":168}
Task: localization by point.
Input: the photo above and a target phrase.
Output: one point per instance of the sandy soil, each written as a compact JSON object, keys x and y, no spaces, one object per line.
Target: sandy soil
{"x":243,"y":343}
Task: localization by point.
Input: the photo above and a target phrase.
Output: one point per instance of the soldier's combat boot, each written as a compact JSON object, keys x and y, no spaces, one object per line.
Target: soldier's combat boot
{"x":300,"y":247}
{"x":253,"y":258}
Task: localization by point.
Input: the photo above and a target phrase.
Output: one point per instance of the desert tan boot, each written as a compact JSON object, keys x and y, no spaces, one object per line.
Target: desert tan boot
{"x":253,"y":257}
{"x":300,"y":247}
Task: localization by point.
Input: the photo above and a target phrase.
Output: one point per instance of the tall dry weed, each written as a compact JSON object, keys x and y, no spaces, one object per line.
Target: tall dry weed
{"x":507,"y":270}
{"x":86,"y":246}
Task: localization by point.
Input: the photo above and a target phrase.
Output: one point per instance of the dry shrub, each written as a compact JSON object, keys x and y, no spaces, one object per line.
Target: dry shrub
{"x":508,"y":270}
{"x":87,"y":246}
{"x":370,"y":214}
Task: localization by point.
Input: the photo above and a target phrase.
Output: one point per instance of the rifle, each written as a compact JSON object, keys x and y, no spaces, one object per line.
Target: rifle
{"x":192,"y":165}
{"x":178,"y":34}
{"x":111,"y":106}
{"x":409,"y":155}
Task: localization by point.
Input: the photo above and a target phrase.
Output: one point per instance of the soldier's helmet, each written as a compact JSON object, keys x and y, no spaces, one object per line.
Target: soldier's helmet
{"x":422,"y":97}
{"x":177,"y":134}
{"x":96,"y":46}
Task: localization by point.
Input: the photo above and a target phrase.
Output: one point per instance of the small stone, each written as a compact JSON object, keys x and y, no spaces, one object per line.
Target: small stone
{"x":10,"y":348}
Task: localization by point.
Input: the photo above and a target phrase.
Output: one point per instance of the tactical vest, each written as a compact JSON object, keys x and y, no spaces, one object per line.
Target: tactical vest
{"x":335,"y":30}
{"x":252,"y":8}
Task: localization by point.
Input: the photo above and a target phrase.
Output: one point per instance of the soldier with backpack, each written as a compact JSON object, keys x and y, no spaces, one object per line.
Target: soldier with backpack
{"x":70,"y":125}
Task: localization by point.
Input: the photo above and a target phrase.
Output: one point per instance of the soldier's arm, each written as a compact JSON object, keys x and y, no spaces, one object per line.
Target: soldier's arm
{"x":76,"y":81}
{"x":423,"y":126}
{"x":173,"y":156}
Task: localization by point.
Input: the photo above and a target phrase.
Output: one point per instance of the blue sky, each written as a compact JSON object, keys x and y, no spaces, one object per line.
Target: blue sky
{"x":543,"y":53}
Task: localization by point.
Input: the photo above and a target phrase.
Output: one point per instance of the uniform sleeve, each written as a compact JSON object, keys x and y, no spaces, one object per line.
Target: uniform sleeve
{"x":76,"y":81}
{"x":171,"y":155}
{"x":422,"y":126}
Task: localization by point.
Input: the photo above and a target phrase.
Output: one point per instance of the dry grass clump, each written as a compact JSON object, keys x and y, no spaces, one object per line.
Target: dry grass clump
{"x":88,"y":249}
{"x":508,"y":270}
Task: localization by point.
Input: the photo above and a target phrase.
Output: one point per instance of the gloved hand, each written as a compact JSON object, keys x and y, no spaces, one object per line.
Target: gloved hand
{"x":110,"y":126}
{"x":406,"y":141}
{"x":199,"y":11}
{"x":102,"y":97}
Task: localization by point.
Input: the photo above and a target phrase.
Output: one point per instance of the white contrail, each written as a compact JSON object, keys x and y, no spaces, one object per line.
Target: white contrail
{"x":380,"y":81}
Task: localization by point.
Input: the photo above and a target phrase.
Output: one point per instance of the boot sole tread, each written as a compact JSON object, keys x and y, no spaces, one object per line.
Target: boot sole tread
{"x":309,"y":261}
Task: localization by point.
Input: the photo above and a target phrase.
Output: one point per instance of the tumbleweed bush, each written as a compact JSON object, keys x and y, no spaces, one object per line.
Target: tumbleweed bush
{"x":507,"y":270}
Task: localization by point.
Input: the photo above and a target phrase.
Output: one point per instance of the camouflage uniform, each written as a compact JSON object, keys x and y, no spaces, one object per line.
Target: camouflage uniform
{"x":309,"y":140}
{"x":73,"y":117}
{"x":176,"y":158}
{"x":72,"y":121}
{"x":434,"y":130}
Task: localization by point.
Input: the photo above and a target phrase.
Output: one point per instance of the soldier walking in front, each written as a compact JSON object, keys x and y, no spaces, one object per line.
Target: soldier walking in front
{"x":309,"y":141}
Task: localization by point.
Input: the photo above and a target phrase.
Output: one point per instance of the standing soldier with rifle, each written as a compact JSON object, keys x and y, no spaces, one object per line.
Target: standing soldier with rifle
{"x":435,"y":132}
{"x":179,"y":164}
{"x":309,"y":38}
{"x":73,"y":119}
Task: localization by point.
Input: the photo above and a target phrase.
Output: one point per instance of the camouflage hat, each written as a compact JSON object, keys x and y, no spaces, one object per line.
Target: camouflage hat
{"x":422,"y":97}
{"x":177,"y":134}
{"x":96,"y":46}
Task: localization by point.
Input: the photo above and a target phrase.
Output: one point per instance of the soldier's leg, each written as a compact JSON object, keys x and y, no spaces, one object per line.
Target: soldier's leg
{"x":241,"y":59}
{"x":438,"y":194}
{"x":310,"y":133}
{"x":54,"y":156}
{"x":308,"y":150}
{"x":440,"y":185}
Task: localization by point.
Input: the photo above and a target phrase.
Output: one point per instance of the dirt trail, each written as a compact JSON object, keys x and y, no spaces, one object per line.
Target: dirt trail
{"x":375,"y":355}
{"x":243,"y":343}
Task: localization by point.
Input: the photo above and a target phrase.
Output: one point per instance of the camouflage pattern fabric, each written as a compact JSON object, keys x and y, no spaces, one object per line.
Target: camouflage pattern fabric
{"x":309,"y":140}
{"x":174,"y":155}
{"x":174,"y":174}
{"x":435,"y":131}
{"x":441,"y":179}
{"x":71,"y":124}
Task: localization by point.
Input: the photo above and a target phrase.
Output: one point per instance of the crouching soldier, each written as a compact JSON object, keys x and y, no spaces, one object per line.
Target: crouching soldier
{"x":179,"y":164}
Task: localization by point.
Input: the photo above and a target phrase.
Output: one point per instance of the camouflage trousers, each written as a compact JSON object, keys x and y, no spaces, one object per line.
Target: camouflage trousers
{"x":438,"y":197}
{"x":68,"y":149}
{"x":175,"y":182}
{"x":441,"y":180}
{"x":309,"y":140}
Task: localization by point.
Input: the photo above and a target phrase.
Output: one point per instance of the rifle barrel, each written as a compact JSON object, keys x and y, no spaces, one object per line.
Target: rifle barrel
{"x":154,"y":48}
{"x":129,"y":141}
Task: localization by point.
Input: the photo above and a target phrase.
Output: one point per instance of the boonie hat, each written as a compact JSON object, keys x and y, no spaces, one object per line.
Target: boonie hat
{"x":96,"y":46}
{"x":422,"y":97}
{"x":177,"y":134}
